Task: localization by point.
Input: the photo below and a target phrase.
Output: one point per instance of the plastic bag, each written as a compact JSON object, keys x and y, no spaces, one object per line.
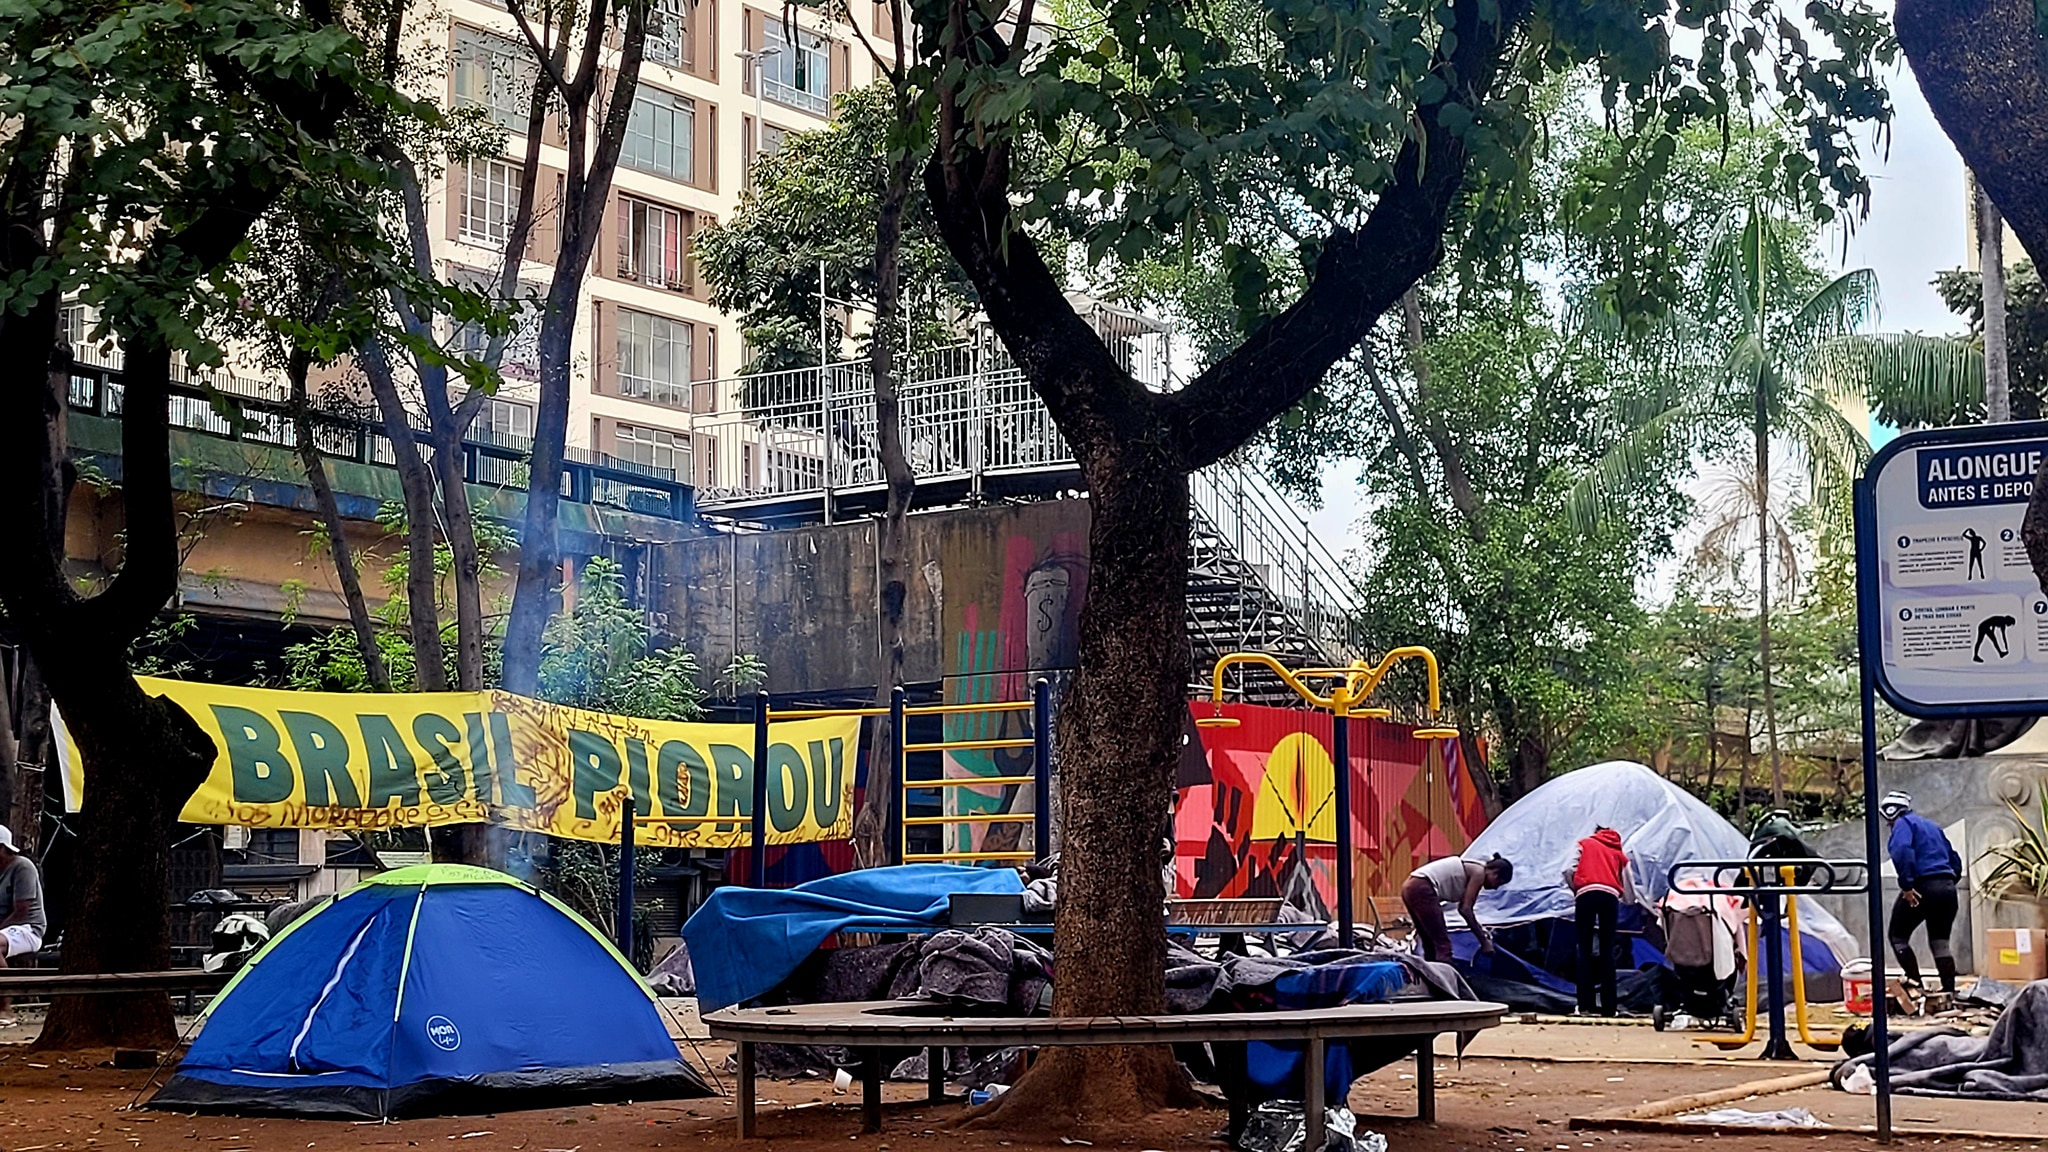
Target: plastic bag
{"x":1281,"y":1126}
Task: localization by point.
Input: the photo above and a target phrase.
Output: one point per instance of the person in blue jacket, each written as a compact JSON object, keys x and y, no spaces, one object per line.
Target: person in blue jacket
{"x":1928,"y":867}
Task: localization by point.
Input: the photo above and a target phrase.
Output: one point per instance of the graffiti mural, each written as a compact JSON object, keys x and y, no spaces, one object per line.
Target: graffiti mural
{"x":1259,"y":797}
{"x":1023,"y":626}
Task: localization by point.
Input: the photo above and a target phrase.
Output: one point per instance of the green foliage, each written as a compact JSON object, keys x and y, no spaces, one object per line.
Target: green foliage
{"x":814,"y":200}
{"x":2026,"y":336}
{"x":2021,"y":867}
{"x":1533,"y":618}
{"x":1183,"y":129}
{"x":598,"y":656}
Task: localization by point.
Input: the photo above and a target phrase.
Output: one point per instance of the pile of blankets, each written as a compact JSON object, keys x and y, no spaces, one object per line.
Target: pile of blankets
{"x":2009,"y":1064}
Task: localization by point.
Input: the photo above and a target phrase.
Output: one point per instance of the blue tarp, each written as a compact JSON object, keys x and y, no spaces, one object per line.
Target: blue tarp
{"x":1661,"y":824}
{"x":745,"y":941}
{"x":1275,"y":1069}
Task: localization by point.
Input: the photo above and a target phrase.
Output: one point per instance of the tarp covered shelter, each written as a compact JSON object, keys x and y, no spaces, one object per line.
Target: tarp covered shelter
{"x":431,"y":990}
{"x":1661,"y":824}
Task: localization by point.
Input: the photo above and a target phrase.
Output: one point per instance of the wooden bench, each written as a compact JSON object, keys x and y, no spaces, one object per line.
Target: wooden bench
{"x":872,"y":1027}
{"x":34,"y":982}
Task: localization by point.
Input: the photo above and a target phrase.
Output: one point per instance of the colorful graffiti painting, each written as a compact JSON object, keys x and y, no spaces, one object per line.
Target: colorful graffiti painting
{"x":1260,"y":795}
{"x":1033,"y":632}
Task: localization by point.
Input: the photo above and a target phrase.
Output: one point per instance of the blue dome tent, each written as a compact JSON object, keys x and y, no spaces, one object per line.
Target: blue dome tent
{"x":431,"y":990}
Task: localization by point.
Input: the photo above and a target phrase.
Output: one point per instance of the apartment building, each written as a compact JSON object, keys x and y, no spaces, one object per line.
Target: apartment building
{"x":723,"y":79}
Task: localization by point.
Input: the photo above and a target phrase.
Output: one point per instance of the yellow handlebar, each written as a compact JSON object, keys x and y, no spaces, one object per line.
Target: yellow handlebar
{"x":1356,"y":682}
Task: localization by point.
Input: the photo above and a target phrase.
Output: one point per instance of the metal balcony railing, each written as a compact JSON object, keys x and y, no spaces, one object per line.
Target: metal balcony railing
{"x":968,"y":413}
{"x":265,"y":418}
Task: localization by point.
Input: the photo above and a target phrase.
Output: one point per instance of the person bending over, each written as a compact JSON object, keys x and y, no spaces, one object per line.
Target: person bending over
{"x":1598,"y":879}
{"x":1451,"y":880}
{"x":1928,"y":866}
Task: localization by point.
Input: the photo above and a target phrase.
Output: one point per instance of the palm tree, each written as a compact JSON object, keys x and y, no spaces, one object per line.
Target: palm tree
{"x":1777,"y":356}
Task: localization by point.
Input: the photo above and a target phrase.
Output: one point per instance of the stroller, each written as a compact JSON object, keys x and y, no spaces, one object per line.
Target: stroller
{"x":1698,"y":991}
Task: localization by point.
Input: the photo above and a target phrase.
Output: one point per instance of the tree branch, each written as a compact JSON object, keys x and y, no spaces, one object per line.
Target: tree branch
{"x":1359,"y":274}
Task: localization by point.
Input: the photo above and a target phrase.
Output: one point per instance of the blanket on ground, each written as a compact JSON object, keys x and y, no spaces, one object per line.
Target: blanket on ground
{"x":745,"y":941}
{"x":2009,"y":1064}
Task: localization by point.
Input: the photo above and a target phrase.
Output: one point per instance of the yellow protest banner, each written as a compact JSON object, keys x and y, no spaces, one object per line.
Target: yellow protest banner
{"x":387,"y":760}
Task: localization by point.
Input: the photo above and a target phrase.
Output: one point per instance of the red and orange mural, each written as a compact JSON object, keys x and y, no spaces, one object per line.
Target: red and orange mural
{"x":1240,"y":804}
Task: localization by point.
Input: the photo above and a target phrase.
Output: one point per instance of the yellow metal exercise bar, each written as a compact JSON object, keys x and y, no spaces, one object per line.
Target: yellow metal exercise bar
{"x":955,"y":709}
{"x":1755,"y":961}
{"x":1037,"y":746}
{"x":823,"y":713}
{"x":962,"y":745}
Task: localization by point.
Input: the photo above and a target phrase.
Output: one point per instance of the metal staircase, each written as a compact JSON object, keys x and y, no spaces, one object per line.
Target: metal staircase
{"x":1258,"y":578}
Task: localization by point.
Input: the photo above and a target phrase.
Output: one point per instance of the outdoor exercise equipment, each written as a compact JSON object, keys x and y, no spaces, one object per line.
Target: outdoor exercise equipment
{"x":898,"y":711}
{"x":1751,"y":879}
{"x":1345,"y":698}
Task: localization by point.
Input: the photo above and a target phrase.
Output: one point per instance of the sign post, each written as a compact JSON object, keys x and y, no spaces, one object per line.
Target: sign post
{"x":1951,"y":621}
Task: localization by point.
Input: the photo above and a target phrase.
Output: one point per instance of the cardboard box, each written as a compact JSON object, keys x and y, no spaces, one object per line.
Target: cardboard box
{"x":2015,"y":955}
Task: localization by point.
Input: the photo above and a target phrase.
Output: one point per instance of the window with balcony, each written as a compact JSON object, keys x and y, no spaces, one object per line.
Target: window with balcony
{"x":654,"y":448}
{"x":490,"y":193}
{"x":495,"y":74}
{"x":654,"y":358}
{"x":661,"y":136}
{"x":795,"y":74}
{"x":652,"y":244}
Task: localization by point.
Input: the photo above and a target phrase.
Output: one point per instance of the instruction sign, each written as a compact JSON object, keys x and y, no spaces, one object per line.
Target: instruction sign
{"x":1949,"y":596}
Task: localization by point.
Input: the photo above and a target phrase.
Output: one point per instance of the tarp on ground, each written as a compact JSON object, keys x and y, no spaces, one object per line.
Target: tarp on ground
{"x":431,"y":990}
{"x":1661,"y":824}
{"x":745,"y":941}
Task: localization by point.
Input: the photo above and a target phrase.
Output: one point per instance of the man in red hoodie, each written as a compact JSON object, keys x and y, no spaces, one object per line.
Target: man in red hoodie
{"x":1598,"y":877}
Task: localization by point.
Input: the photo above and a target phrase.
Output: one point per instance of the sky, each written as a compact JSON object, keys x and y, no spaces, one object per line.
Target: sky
{"x":1916,"y":228}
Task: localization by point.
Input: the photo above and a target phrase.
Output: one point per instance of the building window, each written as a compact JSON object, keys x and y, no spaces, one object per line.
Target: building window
{"x":661,"y":136}
{"x":490,"y":190}
{"x":493,"y":73}
{"x":272,"y":846}
{"x":651,"y":244}
{"x":654,"y":358}
{"x":796,"y":75}
{"x":507,"y":424}
{"x":668,"y":33}
{"x":653,"y":448}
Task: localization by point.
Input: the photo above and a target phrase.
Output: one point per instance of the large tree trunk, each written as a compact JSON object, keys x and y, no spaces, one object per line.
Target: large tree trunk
{"x":142,"y":756}
{"x":1763,"y":591}
{"x":871,"y":828}
{"x":329,"y":511}
{"x":1983,"y":66}
{"x":416,"y":482}
{"x":1991,"y":264}
{"x":1119,"y":743}
{"x":586,"y":191}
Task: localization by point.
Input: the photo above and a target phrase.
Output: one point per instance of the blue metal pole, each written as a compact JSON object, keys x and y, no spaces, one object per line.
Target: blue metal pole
{"x":1340,"y":756}
{"x":625,"y":910}
{"x":894,"y":776}
{"x":1869,"y":634}
{"x":1041,"y":767}
{"x":1778,"y":1047}
{"x":757,"y":828}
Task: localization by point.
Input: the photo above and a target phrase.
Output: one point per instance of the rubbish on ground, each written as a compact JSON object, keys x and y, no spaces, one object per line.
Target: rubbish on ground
{"x":1741,"y":1118}
{"x":1281,"y":1126}
{"x":841,"y":1081}
{"x":1860,"y":1082}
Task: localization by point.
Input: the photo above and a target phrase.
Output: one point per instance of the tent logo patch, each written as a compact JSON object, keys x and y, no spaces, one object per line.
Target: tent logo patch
{"x":442,"y":1031}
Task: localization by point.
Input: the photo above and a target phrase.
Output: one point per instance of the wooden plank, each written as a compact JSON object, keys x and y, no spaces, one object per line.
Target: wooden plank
{"x":106,"y":983}
{"x":1425,"y":1081}
{"x":745,"y":1103}
{"x":1313,"y":1088}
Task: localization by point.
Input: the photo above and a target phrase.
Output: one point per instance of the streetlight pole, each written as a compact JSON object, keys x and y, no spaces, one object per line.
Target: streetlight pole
{"x":753,"y":58}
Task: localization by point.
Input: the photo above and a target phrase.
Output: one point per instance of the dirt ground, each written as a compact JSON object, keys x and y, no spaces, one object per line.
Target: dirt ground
{"x":1497,"y":1102}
